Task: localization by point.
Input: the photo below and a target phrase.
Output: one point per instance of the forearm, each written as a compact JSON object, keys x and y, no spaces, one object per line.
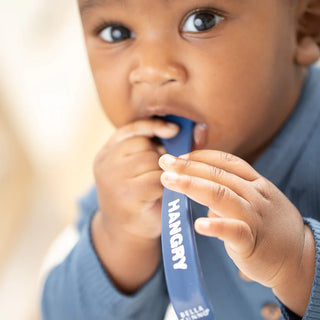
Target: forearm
{"x":129,"y":261}
{"x":294,"y":292}
{"x":79,"y":289}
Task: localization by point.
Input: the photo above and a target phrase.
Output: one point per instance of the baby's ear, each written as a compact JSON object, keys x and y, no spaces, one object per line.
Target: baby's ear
{"x":308,"y":48}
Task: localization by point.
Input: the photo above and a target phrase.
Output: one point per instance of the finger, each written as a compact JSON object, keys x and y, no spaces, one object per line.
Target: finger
{"x":220,"y":199}
{"x":235,"y":233}
{"x":147,"y":128}
{"x":212,"y":214}
{"x":135,"y":145}
{"x":142,"y":162}
{"x":148,"y":186}
{"x":224,"y":161}
{"x":128,"y":159}
{"x":140,"y":143}
{"x":118,"y":156}
{"x":205,"y":171}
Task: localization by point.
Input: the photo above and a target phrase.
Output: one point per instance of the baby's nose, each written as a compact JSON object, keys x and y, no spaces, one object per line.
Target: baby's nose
{"x":155,"y":76}
{"x":157,"y":67}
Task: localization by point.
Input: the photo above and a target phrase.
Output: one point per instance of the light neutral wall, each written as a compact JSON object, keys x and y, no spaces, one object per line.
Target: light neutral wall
{"x":51,"y":126}
{"x":15,"y":183}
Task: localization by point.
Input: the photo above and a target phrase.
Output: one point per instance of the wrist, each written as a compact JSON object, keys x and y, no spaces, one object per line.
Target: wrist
{"x":295,"y":289}
{"x":120,"y":235}
{"x":129,"y":260}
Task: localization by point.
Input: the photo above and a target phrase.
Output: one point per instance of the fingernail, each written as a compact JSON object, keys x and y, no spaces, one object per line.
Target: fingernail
{"x":169,"y":131}
{"x":172,"y":125}
{"x":203,"y":223}
{"x":174,"y":128}
{"x":167,"y":160}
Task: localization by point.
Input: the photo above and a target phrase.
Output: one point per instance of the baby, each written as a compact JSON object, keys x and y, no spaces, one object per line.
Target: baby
{"x":241,"y":70}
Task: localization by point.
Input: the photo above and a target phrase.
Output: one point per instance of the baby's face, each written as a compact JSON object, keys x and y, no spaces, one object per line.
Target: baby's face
{"x":226,"y":64}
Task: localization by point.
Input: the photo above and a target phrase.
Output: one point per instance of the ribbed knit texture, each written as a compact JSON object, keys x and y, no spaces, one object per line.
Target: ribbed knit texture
{"x":313,"y":310}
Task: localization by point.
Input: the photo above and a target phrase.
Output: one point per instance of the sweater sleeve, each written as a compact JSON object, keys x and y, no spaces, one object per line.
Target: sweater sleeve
{"x":80,"y":289}
{"x":313,"y":309}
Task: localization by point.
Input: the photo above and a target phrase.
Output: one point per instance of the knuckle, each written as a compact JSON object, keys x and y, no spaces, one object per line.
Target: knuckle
{"x":183,"y":166}
{"x":224,"y":156}
{"x":187,"y":164}
{"x":186,"y":182}
{"x":263,"y":188}
{"x":241,"y":233}
{"x":215,"y":172}
{"x":222,"y":227}
{"x":228,"y":157}
{"x":220,"y":192}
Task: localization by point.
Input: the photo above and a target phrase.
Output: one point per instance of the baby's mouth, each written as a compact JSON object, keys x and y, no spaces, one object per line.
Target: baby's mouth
{"x":200,"y":133}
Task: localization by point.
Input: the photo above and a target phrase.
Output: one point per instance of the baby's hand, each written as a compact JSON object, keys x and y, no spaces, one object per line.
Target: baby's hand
{"x":262,"y":230}
{"x":126,"y":229}
{"x":127,"y":176}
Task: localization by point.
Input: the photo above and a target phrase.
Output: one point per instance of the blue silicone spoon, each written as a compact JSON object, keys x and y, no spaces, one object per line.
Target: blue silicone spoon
{"x":181,"y":262}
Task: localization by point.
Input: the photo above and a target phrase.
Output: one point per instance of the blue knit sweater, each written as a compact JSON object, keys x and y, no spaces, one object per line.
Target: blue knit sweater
{"x":79,"y":288}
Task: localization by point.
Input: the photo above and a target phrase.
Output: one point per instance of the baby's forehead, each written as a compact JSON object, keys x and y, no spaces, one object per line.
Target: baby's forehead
{"x":90,"y":3}
{"x":106,"y":2}
{"x":85,"y":5}
{"x":94,"y":2}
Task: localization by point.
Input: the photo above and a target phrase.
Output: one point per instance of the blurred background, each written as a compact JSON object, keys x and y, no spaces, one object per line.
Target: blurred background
{"x":51,"y":126}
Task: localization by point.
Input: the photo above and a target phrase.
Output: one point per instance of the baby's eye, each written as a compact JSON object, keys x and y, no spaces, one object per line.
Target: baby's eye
{"x":116,"y":33}
{"x":201,"y":21}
